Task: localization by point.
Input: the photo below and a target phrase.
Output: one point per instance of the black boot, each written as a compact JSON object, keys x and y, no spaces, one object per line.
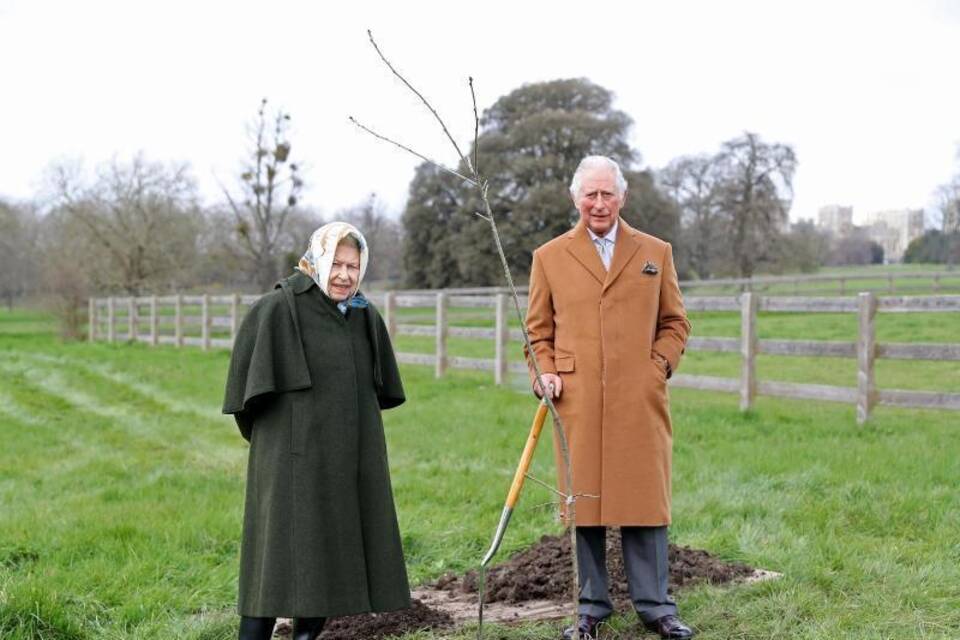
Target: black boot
{"x":307,"y":628}
{"x":256,"y":628}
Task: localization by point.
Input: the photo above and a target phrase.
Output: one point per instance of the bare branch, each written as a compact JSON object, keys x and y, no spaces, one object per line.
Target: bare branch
{"x":422,"y":99}
{"x":546,"y":486}
{"x":476,"y":132}
{"x":409,"y":150}
{"x":239,"y":216}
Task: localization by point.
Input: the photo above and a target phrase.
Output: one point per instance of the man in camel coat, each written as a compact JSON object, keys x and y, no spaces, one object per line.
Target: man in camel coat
{"x":608,"y":327}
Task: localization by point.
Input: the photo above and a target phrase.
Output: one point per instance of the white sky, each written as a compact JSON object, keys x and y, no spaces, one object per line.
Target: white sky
{"x":868,"y":93}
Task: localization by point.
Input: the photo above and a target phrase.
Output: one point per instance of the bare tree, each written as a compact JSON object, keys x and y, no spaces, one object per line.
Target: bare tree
{"x":139,"y":220}
{"x":756,"y":194}
{"x":70,"y":258}
{"x":18,"y":251}
{"x":270,"y":187}
{"x":693,"y":182}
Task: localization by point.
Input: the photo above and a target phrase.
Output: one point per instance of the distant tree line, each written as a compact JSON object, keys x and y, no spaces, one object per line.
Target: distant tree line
{"x":943,"y":244}
{"x":136,"y":226}
{"x":726,"y":213}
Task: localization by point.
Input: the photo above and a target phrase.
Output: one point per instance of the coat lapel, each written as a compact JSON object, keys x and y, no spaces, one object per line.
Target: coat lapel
{"x":625,"y":248}
{"x":581,"y":247}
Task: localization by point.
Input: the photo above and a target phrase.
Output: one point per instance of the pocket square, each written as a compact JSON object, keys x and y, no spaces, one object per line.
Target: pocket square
{"x":649,"y":267}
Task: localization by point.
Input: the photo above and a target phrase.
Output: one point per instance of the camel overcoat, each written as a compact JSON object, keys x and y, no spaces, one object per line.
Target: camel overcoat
{"x":600,"y":331}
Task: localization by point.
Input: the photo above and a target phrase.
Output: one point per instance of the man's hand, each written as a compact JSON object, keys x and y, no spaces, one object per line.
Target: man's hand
{"x":667,"y":369}
{"x":553,"y":382}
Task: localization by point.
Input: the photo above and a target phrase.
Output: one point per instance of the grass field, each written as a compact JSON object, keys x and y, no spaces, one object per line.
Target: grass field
{"x":878,"y":282}
{"x":121,"y":491}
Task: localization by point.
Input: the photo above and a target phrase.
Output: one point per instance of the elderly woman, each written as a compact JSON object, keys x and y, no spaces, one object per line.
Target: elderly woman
{"x":312,"y":367}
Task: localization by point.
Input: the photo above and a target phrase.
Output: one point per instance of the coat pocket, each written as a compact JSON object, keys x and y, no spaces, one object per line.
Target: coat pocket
{"x":564,"y":364}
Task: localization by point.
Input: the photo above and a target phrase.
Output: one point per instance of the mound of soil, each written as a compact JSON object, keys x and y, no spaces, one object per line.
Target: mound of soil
{"x":543,"y":572}
{"x":372,"y":626}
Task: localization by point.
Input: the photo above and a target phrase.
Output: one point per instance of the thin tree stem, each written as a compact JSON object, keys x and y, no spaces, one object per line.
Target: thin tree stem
{"x":483,"y":185}
{"x":476,"y":131}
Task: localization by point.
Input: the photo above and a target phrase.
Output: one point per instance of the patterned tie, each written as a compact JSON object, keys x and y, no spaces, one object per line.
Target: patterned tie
{"x":605,"y":249}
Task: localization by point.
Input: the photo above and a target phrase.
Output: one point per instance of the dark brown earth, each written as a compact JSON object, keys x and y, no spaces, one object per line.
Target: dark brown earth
{"x":372,"y":626}
{"x":383,"y":625}
{"x":541,"y":572}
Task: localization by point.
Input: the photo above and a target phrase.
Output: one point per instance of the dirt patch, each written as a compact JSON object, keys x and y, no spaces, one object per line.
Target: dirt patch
{"x":533,"y":584}
{"x":543,"y":572}
{"x":369,"y":626}
{"x":372,"y":626}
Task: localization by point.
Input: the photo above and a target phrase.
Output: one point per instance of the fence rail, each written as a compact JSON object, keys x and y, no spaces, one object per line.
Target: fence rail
{"x":940,"y":282}
{"x":168,"y":321}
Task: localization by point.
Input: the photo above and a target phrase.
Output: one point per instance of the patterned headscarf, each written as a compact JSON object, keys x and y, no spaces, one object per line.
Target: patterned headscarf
{"x":317,"y":262}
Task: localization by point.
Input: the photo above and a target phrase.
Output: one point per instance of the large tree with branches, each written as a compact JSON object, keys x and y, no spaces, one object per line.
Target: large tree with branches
{"x":692,"y":183}
{"x":756,"y":191}
{"x":139,"y":219}
{"x":529,"y":145}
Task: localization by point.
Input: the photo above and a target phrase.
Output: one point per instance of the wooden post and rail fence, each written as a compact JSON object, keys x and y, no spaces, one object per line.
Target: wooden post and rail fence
{"x":210,"y":321}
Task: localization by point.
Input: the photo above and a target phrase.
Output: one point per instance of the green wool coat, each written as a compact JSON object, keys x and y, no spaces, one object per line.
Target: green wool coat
{"x":306,"y":386}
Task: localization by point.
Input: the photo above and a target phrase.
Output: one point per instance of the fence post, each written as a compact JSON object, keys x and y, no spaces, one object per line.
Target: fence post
{"x":936,"y":282}
{"x":441,"y":327}
{"x":890,"y":281}
{"x":154,"y":322}
{"x":91,"y":320}
{"x":234,"y":311}
{"x":501,"y":339}
{"x":866,"y":355}
{"x":390,"y":311}
{"x":843,"y":286}
{"x":178,"y":320}
{"x":111,"y":320}
{"x":132,"y":328}
{"x":205,"y":322}
{"x":748,"y":350}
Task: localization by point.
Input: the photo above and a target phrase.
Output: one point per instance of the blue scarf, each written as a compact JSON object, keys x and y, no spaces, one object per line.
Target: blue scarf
{"x":357,"y":301}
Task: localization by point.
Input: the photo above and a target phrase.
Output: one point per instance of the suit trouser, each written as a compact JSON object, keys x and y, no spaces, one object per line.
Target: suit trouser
{"x":645,"y":562}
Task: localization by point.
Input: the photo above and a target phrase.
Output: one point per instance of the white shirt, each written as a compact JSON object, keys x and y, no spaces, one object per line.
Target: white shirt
{"x":604,"y":244}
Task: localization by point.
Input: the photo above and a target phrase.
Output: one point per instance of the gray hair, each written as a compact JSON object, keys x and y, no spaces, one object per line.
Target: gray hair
{"x":597,"y":162}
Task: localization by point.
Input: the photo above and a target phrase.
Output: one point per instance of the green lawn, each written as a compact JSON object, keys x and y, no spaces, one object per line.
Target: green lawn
{"x":121,"y":493}
{"x":949,"y":282}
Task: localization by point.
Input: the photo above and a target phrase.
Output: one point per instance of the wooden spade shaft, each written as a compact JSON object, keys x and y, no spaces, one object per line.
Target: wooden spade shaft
{"x":514,"y":494}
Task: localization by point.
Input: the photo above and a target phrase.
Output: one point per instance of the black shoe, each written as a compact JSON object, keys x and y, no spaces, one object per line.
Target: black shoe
{"x":587,"y":625}
{"x":256,"y":628}
{"x":307,"y":628}
{"x":669,"y":627}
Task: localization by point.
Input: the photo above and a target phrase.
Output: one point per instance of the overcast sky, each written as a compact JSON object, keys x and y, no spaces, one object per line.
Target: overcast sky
{"x":866,"y":92}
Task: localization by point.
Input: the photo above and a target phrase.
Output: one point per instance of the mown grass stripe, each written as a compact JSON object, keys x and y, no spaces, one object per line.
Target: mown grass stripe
{"x":148,"y":392}
{"x":156,"y":429}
